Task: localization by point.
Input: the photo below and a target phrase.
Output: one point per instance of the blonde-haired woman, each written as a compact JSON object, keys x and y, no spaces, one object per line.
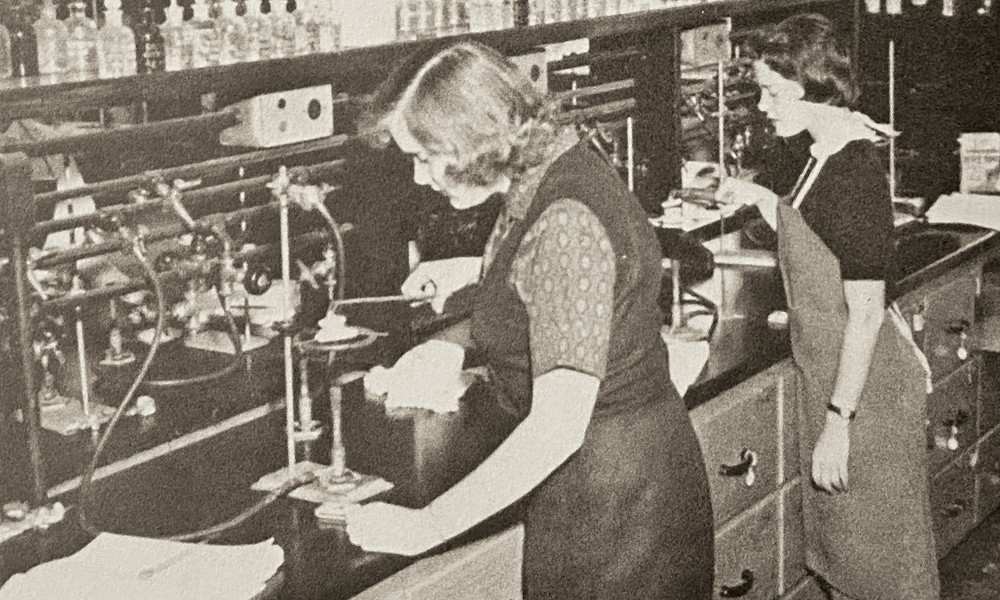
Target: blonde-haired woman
{"x":617,"y":500}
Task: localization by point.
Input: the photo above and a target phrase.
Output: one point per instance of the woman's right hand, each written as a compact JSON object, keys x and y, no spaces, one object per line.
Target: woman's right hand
{"x":439,"y":279}
{"x":738,"y":191}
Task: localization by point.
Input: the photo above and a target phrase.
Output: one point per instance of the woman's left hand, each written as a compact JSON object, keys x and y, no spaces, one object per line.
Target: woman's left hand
{"x":381,"y":527}
{"x":829,"y":459}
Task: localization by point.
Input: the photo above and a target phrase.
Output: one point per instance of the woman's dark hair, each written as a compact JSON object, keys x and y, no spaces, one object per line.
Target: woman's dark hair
{"x":805,"y":48}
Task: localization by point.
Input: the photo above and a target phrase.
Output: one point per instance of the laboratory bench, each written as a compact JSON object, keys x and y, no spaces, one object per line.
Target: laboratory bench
{"x":743,"y":406}
{"x":192,"y":462}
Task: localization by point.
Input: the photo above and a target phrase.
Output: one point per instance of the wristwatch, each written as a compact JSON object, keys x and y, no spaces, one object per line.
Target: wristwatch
{"x":843,"y":413}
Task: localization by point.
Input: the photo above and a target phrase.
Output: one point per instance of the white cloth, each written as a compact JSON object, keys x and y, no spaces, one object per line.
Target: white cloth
{"x":966,"y":209}
{"x":428,"y":376}
{"x":120,"y":566}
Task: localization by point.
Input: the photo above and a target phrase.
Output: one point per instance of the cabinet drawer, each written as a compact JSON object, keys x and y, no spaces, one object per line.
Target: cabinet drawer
{"x":792,"y":531}
{"x":739,"y":437}
{"x":952,"y":417}
{"x":789,"y":404}
{"x":989,"y":391}
{"x":913,"y":308}
{"x":988,"y":474}
{"x":948,"y":315}
{"x":746,"y":555}
{"x":952,"y":503}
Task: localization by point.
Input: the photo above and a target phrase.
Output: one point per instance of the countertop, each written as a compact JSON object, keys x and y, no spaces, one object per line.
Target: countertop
{"x":421,"y":452}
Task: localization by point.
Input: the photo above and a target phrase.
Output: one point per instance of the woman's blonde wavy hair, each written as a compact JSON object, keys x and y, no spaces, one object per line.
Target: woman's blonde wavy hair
{"x":470,"y":104}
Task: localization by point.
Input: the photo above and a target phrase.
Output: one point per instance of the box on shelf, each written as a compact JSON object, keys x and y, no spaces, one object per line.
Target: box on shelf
{"x":980,"y":157}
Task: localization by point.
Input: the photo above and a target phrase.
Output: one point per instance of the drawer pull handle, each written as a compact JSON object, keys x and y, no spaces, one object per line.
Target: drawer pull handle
{"x":741,"y":589}
{"x":959,"y":326}
{"x":744,"y":468}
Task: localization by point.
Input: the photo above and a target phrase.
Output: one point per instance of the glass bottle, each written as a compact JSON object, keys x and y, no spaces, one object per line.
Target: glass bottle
{"x":233,"y":35}
{"x":149,"y":49}
{"x":116,"y":47}
{"x":204,"y":37}
{"x":259,"y":30}
{"x":283,"y":27}
{"x":306,"y":29}
{"x":6,"y":58}
{"x":81,"y":41}
{"x":176,"y":41}
{"x":51,"y":38}
{"x":323,"y":25}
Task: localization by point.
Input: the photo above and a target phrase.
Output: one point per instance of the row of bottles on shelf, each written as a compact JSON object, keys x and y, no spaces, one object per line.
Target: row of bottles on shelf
{"x":221,"y":32}
{"x":80,"y":46}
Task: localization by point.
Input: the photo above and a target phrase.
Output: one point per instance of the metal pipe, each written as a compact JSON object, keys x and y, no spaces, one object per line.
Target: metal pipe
{"x":159,"y":130}
{"x":286,"y":276}
{"x":195,"y":198}
{"x":892,"y":118}
{"x":113,"y":291}
{"x":215,"y":167}
{"x":24,"y":330}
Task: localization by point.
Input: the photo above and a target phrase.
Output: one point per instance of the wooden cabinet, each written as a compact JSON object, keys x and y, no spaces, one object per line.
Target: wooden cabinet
{"x":739,"y":434}
{"x":953,"y":504}
{"x":952,"y":416}
{"x":747,"y":561}
{"x":750,"y":439}
{"x":751,"y":453}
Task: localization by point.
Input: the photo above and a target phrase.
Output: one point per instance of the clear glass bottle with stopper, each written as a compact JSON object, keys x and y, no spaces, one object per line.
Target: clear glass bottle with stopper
{"x":259,"y":30}
{"x":81,"y":41}
{"x":50,"y":37}
{"x":326,"y":16}
{"x":115,"y":44}
{"x":234,"y":37}
{"x":283,"y":27}
{"x":204,"y":37}
{"x":176,"y":40}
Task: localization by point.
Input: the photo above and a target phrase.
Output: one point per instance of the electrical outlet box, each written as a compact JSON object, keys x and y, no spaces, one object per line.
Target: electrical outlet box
{"x":533,"y":65}
{"x":282,"y":118}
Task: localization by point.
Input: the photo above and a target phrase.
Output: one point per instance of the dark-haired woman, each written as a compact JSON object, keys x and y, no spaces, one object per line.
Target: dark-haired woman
{"x":617,"y":499}
{"x":864,"y":382}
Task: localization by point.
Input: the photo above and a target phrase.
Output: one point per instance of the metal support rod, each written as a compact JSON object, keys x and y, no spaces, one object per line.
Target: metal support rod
{"x":630,"y":151}
{"x":338,"y":455}
{"x":81,"y":352}
{"x":305,"y":400}
{"x":286,"y":276}
{"x":722,"y":119}
{"x":892,"y":118}
{"x":28,"y":369}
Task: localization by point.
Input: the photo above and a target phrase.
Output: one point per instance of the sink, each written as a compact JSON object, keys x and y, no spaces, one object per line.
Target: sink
{"x":918,"y":244}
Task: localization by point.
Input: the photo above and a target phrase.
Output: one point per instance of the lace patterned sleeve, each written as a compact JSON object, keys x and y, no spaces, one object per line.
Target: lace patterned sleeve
{"x":565,"y":275}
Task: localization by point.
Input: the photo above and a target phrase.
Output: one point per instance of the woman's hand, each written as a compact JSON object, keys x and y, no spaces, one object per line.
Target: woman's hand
{"x":738,"y":191}
{"x":381,"y":527}
{"x":829,"y":459}
{"x":439,"y":279}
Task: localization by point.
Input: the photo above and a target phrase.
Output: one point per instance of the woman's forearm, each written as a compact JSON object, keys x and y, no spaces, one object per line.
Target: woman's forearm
{"x":562,"y":404}
{"x":865,"y":313}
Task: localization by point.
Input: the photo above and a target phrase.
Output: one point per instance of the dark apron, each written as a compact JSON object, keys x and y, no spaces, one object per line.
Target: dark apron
{"x":874,"y":541}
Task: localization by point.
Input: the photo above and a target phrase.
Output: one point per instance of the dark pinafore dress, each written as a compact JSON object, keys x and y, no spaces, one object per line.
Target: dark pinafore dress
{"x":628,"y":516}
{"x":875,"y":541}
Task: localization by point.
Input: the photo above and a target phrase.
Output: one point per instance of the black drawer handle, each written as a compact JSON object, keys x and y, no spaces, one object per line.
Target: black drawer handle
{"x":748,"y":459}
{"x":959,"y":326}
{"x":741,"y":589}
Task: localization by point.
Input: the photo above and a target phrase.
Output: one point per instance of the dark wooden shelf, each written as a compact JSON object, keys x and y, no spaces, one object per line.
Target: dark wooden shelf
{"x":349,"y":70}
